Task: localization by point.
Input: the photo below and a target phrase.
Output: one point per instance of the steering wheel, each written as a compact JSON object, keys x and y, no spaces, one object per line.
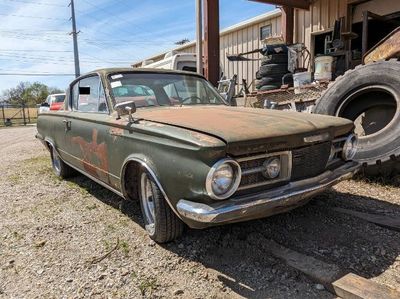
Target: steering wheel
{"x":191,"y":98}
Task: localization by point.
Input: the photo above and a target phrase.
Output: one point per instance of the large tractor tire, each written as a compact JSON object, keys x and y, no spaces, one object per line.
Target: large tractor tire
{"x":369,"y":95}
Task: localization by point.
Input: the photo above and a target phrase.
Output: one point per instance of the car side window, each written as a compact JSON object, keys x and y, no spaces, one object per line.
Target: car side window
{"x":88,"y":96}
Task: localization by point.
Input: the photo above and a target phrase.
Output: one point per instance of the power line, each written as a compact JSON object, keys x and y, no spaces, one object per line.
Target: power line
{"x":116,"y":15}
{"x":33,"y":17}
{"x":35,"y":50}
{"x":35,"y":74}
{"x":37,"y":3}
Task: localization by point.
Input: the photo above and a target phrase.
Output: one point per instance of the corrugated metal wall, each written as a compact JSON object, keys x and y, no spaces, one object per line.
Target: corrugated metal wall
{"x":323,"y":13}
{"x":320,"y":18}
{"x":240,"y":41}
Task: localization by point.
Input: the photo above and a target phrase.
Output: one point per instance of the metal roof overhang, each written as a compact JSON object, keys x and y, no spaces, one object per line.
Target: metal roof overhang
{"x":303,"y":4}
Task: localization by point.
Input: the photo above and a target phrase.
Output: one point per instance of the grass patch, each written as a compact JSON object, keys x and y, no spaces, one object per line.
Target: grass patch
{"x":15,"y":178}
{"x":124,"y":247}
{"x":92,"y":207}
{"x":82,"y":190}
{"x":147,"y":285}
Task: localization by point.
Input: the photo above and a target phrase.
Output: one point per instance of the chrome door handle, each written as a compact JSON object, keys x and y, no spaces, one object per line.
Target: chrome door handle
{"x":67,"y":125}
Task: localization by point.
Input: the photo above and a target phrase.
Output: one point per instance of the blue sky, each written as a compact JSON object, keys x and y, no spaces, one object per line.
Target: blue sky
{"x":34,"y":34}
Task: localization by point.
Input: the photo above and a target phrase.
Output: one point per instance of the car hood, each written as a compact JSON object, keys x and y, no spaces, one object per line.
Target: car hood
{"x":247,"y":130}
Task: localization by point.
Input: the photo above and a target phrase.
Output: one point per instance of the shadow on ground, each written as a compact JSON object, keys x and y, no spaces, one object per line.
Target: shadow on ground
{"x":238,"y":250}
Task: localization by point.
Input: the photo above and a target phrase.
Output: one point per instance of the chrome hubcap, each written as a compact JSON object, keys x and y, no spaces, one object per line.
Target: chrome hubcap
{"x":56,"y":161}
{"x":147,"y":199}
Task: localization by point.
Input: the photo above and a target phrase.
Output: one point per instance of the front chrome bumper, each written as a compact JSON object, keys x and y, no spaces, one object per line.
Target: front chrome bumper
{"x":267,"y":203}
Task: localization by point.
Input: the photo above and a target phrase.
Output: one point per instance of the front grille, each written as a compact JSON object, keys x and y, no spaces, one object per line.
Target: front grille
{"x":297,"y":164}
{"x":253,"y":168}
{"x":249,"y":177}
{"x":310,"y":161}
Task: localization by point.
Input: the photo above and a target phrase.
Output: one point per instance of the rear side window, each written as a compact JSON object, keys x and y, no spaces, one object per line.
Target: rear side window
{"x":88,"y":96}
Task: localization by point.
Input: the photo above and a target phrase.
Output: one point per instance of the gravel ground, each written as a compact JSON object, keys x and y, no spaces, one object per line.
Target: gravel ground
{"x":69,"y":239}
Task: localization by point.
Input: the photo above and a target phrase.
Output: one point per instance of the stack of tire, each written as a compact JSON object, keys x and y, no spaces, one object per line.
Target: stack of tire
{"x":274,"y":66}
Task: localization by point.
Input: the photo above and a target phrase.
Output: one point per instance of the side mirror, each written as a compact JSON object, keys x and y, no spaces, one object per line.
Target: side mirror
{"x":44,"y":104}
{"x":126,"y":108}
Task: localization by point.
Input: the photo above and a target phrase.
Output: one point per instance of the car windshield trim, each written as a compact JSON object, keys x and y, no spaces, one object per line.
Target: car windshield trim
{"x":153,"y":89}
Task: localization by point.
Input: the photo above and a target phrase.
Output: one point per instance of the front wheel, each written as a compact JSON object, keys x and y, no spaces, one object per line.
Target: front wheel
{"x":60,"y":169}
{"x":160,"y":221}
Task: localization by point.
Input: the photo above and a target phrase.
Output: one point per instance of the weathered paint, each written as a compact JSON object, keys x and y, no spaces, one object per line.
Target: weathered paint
{"x":241,"y":127}
{"x":92,"y":150}
{"x":179,"y":144}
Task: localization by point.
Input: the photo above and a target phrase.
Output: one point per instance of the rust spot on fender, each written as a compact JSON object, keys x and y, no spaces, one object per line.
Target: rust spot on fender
{"x":116,"y":131}
{"x":94,"y":156}
{"x":205,"y":139}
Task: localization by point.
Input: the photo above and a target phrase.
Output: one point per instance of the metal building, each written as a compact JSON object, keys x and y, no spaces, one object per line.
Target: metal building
{"x":309,"y":26}
{"x":239,"y":38}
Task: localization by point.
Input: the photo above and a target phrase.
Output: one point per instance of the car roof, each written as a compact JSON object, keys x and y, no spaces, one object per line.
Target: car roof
{"x":108,"y":71}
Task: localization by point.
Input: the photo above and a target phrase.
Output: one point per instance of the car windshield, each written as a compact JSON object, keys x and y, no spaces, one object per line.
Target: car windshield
{"x":58,"y":98}
{"x":162,"y":89}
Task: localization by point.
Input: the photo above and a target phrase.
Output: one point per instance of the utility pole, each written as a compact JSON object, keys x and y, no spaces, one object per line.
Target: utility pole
{"x":199,"y":37}
{"x":75,"y":39}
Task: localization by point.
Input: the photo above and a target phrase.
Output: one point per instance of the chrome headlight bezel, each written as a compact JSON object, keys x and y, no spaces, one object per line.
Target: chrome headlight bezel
{"x":237,"y":175}
{"x":350,"y":145}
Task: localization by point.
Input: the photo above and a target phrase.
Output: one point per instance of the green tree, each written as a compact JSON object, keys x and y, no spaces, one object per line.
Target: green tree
{"x":36,"y":93}
{"x":26,"y":93}
{"x":17,"y":95}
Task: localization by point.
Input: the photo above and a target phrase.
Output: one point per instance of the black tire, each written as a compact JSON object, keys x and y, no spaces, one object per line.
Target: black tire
{"x":370,"y":95}
{"x":166,"y":226}
{"x":268,"y":81}
{"x":273,"y":69}
{"x":268,"y":87}
{"x":60,"y":169}
{"x":275,"y":58}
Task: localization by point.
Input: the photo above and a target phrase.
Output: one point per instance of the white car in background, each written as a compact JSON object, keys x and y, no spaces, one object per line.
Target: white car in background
{"x":53,"y":102}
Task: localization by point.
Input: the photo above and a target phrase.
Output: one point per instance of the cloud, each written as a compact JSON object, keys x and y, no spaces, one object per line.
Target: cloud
{"x":113,"y":33}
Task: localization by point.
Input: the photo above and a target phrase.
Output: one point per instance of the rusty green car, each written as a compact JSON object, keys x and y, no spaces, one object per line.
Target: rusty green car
{"x":169,"y":140}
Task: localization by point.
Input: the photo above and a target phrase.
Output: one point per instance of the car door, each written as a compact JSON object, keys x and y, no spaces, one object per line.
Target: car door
{"x":87,"y":128}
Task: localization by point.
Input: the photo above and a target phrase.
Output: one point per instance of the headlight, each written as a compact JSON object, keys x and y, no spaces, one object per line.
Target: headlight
{"x":223,"y":179}
{"x":272,"y":168}
{"x":350,"y":147}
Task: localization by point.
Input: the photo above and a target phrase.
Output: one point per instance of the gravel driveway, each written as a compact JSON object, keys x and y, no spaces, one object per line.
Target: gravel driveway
{"x":69,"y":239}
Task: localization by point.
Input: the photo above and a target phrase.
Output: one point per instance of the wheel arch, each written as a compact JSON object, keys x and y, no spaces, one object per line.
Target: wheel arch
{"x":142,"y":161}
{"x":49,"y":143}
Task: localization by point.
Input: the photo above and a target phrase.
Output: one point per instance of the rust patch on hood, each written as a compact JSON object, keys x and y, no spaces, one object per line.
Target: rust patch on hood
{"x":233,"y":124}
{"x":94,"y":155}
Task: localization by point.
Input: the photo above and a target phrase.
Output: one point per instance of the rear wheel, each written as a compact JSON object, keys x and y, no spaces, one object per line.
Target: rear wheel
{"x":160,"y":221}
{"x":60,"y":169}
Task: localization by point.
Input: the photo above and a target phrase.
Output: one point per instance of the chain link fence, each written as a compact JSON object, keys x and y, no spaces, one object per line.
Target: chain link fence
{"x":17,"y":115}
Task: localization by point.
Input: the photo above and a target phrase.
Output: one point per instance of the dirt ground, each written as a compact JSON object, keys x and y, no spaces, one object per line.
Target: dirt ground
{"x":69,"y":239}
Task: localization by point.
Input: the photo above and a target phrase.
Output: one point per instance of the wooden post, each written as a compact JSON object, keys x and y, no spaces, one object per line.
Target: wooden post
{"x":23,"y":113}
{"x":288,"y":24}
{"x":4,"y":115}
{"x":211,"y":41}
{"x":365,"y":33}
{"x":199,"y":37}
